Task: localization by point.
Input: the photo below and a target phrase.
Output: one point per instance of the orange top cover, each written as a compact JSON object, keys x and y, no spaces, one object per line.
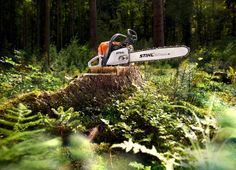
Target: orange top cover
{"x":104,"y":45}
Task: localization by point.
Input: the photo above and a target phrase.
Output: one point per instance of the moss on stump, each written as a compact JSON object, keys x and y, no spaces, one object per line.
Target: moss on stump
{"x":95,"y":90}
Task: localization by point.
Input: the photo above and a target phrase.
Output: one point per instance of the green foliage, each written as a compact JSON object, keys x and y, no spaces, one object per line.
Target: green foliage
{"x":35,"y":153}
{"x":22,"y":144}
{"x":26,"y":148}
{"x":73,"y":57}
{"x":231,"y":74}
{"x":154,"y":119}
{"x":66,"y":122}
{"x":172,"y":111}
{"x":219,"y":152}
{"x":17,"y":120}
{"x":221,"y":55}
{"x":139,"y":166}
{"x":23,"y":78}
{"x":129,"y":145}
{"x":128,"y":13}
{"x":43,"y":152}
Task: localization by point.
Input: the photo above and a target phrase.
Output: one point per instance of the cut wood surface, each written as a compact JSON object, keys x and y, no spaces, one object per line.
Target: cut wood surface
{"x":91,"y":90}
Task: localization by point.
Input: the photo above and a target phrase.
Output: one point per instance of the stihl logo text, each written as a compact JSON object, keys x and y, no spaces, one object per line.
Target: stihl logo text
{"x":120,"y":52}
{"x":146,"y":55}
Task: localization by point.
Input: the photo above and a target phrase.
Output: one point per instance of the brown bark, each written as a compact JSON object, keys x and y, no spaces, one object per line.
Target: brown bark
{"x":158,"y":23}
{"x":233,"y":30}
{"x":72,"y":18}
{"x":59,"y":25}
{"x":186,"y":21}
{"x":7,"y":25}
{"x":93,"y":24}
{"x":45,"y":33}
{"x":93,"y":90}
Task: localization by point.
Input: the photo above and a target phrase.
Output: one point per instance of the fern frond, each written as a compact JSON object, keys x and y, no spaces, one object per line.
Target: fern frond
{"x":7,"y":123}
{"x":20,"y":136}
{"x":11,"y":117}
{"x":18,"y":119}
{"x":22,"y":126}
{"x":6,"y":132}
{"x":129,"y":145}
{"x":30,"y":118}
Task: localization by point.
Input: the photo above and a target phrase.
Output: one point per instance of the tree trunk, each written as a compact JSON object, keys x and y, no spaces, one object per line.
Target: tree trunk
{"x":145,"y":21}
{"x":233,"y":31}
{"x":199,"y":22}
{"x":8,"y":26}
{"x":45,"y":33}
{"x":93,"y":24}
{"x":186,"y":15}
{"x":59,"y":25}
{"x":158,"y":23}
{"x":91,"y":91}
{"x":72,"y":18}
{"x":37,"y":31}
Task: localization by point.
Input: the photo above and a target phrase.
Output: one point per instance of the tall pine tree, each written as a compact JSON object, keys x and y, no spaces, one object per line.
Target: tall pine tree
{"x":158,"y":23}
{"x":93,"y":24}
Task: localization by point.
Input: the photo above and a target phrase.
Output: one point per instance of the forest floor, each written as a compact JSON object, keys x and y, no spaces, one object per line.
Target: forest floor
{"x":180,"y":118}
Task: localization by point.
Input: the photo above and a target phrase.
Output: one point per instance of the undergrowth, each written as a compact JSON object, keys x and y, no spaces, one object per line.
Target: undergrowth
{"x":23,"y":78}
{"x":19,"y":76}
{"x":177,"y":120}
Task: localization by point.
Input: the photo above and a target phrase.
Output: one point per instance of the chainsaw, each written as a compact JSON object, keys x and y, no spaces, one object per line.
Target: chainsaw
{"x":123,"y":53}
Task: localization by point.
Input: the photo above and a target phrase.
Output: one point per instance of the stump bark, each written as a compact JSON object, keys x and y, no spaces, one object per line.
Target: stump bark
{"x":92,"y":90}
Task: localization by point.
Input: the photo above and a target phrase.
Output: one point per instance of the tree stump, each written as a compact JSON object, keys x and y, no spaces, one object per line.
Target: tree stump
{"x":91,"y":90}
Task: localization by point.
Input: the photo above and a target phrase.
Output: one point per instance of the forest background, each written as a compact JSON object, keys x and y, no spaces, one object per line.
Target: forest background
{"x":31,"y":25}
{"x":185,"y":110}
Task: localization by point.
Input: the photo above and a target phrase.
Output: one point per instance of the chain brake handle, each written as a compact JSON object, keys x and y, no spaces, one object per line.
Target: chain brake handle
{"x":99,"y":58}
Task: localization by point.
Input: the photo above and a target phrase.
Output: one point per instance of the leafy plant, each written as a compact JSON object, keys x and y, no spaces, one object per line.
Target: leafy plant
{"x":218,"y":152}
{"x":153,"y":119}
{"x":65,"y":123}
{"x":231,"y":74}
{"x":26,"y":148}
{"x":129,"y":145}
{"x":73,"y":57}
{"x":17,"y":120}
{"x":27,"y":79}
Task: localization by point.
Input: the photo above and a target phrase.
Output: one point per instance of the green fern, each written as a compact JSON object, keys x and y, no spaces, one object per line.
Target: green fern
{"x":231,"y":74}
{"x":67,"y":120}
{"x":167,"y":160}
{"x":26,"y":145}
{"x":37,"y":152}
{"x":18,"y":119}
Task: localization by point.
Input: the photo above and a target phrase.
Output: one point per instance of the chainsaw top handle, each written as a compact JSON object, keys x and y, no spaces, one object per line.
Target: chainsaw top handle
{"x":111,"y":46}
{"x":132,"y":36}
{"x":129,"y":40}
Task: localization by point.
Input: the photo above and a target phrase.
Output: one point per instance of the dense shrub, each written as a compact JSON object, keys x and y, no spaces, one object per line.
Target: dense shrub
{"x":22,"y":80}
{"x":73,"y":57}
